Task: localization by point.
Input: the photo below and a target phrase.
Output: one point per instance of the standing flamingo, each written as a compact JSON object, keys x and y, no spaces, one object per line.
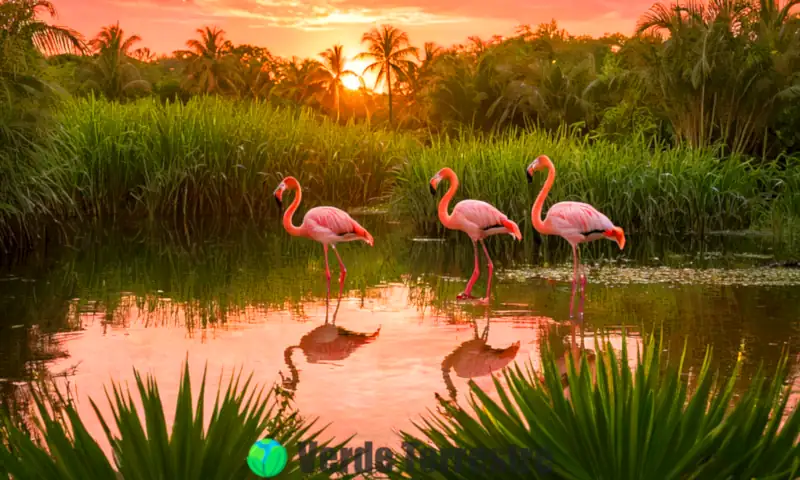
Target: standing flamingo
{"x":478,"y":220}
{"x":327,"y":225}
{"x":576,"y":222}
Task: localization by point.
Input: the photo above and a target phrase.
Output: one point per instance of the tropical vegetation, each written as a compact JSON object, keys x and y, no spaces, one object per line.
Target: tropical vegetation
{"x":614,"y":421}
{"x":688,"y":126}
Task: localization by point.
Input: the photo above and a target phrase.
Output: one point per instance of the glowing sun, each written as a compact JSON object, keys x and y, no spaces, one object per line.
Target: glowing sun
{"x":351,"y":82}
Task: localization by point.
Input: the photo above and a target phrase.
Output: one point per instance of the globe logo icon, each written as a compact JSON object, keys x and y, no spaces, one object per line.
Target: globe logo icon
{"x":267,"y":458}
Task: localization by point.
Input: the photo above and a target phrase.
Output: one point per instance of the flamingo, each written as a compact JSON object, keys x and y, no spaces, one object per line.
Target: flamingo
{"x":576,"y":222}
{"x":327,"y":225}
{"x":478,"y":220}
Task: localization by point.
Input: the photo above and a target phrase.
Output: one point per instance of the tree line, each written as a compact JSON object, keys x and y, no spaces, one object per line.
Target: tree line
{"x":723,"y":73}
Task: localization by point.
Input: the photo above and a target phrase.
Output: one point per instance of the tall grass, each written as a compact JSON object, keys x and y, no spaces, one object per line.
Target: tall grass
{"x":219,"y":158}
{"x":213,"y":162}
{"x":641,"y":188}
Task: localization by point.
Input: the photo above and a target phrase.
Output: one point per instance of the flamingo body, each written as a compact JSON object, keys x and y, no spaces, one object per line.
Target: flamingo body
{"x":478,"y":220}
{"x":330,"y":225}
{"x":577,"y":222}
{"x":327,"y":225}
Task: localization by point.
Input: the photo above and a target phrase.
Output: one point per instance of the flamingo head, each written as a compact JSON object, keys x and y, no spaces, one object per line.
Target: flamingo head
{"x":288,"y":182}
{"x":278,"y":193}
{"x":542,"y":161}
{"x":438,"y":178}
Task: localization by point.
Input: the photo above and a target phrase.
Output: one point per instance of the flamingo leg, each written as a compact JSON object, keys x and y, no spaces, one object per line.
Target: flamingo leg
{"x":574,"y":279}
{"x":342,"y":271}
{"x":583,"y":285}
{"x":490,"y":266}
{"x":327,"y":272}
{"x":467,"y":293}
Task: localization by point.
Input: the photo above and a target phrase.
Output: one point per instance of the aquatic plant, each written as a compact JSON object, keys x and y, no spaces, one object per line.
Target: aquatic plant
{"x":144,"y":446}
{"x":618,"y":422}
{"x":641,"y":187}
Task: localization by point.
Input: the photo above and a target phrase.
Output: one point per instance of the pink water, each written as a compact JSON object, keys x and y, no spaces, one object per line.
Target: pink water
{"x":378,"y":389}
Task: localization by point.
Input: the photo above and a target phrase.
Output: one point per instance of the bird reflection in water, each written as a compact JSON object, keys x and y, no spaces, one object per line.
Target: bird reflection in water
{"x":326,"y":343}
{"x":574,"y":350}
{"x":475,"y":358}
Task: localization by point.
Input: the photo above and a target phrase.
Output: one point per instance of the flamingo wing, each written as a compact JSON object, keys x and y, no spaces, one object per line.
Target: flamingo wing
{"x":578,"y":220}
{"x":331,"y":225}
{"x":484,"y":219}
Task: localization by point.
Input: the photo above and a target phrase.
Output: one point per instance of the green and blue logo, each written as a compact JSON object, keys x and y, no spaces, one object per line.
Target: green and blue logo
{"x":267,"y":458}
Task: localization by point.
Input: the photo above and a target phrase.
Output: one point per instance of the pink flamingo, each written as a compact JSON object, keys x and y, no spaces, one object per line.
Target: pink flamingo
{"x":576,"y":222}
{"x":327,"y":225}
{"x":478,"y":220}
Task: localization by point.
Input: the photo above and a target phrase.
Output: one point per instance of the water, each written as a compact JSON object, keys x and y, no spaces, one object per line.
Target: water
{"x":91,"y":312}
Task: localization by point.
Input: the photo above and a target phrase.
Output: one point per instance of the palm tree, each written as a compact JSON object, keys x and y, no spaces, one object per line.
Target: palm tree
{"x":258,"y":70}
{"x":299,"y":79}
{"x":389,"y":50}
{"x":112,"y":72}
{"x":143,"y":54}
{"x":18,"y":18}
{"x":210,"y":66}
{"x":331,"y":73}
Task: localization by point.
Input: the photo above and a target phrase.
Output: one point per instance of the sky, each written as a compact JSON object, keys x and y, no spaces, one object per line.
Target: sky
{"x":305,"y":28}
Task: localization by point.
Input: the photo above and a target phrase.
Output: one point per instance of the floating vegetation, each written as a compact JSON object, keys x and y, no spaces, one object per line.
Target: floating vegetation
{"x":612,"y":275}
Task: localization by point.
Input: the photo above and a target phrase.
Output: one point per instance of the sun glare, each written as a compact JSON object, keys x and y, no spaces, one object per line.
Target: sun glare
{"x":351,"y":83}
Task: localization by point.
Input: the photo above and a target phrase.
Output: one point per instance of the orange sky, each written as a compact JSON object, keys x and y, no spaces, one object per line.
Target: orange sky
{"x":305,"y":28}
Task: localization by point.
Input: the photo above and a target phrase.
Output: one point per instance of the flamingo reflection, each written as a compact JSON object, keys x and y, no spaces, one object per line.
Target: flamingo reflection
{"x":326,"y":343}
{"x":475,"y":358}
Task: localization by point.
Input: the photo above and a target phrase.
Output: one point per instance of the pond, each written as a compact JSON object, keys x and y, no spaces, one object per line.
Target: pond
{"x":375,"y":360}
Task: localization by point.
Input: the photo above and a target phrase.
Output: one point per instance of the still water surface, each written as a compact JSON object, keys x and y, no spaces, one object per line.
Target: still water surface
{"x":398,"y":338}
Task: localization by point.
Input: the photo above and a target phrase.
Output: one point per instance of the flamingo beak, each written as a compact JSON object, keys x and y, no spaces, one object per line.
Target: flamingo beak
{"x":278,"y":193}
{"x":529,"y":171}
{"x":434,"y":184}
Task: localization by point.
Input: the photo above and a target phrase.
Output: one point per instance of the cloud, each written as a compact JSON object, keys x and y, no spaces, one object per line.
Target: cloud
{"x":303,"y":15}
{"x":578,"y":16}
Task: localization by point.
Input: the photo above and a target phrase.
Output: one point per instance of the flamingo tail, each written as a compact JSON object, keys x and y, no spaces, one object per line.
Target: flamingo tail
{"x":513,"y":228}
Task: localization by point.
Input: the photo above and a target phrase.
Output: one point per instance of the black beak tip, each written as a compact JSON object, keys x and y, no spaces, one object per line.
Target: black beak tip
{"x":433,"y":190}
{"x":530,"y":177}
{"x":278,"y":201}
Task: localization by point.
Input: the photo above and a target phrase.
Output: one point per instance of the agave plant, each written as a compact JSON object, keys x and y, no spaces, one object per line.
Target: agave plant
{"x":619,"y":423}
{"x":145,"y":448}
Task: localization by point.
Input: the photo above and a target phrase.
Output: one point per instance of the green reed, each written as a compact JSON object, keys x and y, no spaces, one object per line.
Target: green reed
{"x":214,"y":162}
{"x":640,"y":187}
{"x":215,"y":158}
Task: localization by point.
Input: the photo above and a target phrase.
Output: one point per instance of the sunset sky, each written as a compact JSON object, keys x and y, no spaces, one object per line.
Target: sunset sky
{"x":306,"y":27}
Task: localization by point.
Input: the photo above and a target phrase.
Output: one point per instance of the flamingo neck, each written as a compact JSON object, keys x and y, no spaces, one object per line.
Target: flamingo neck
{"x":287,"y":217}
{"x":536,"y":213}
{"x":444,"y":203}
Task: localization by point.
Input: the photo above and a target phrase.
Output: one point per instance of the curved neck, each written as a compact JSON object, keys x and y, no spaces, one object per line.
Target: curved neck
{"x":536,"y":213}
{"x":287,"y":217}
{"x":444,"y":203}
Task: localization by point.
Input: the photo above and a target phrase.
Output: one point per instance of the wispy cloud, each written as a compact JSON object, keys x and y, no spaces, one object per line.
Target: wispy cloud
{"x":305,"y":15}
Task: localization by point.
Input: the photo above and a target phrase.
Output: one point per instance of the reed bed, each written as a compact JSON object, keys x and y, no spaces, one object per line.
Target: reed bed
{"x":213,"y":162}
{"x":639,"y":186}
{"x":215,"y":157}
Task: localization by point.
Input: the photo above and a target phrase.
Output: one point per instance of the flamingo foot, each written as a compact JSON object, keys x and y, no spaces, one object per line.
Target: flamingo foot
{"x":465,"y":296}
{"x":483,"y":301}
